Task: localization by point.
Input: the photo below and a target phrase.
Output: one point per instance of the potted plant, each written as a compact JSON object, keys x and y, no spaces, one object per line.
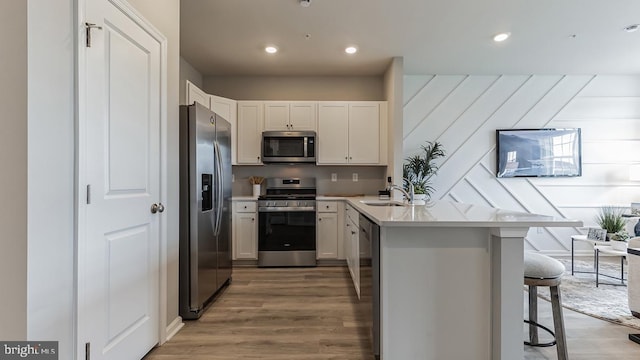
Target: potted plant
{"x":420,"y":169}
{"x":610,"y":218}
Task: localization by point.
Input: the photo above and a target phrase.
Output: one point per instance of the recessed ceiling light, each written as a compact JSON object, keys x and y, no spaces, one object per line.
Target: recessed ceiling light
{"x":632,"y":28}
{"x":351,"y":50}
{"x":501,"y":37}
{"x":305,"y":3}
{"x":271,"y":49}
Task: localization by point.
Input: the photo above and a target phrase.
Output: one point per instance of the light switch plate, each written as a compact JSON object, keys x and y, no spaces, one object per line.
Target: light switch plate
{"x":334,"y":177}
{"x":354,"y":177}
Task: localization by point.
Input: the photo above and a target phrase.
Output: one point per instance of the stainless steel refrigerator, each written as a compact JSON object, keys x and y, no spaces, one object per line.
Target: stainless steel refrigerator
{"x":205,"y":207}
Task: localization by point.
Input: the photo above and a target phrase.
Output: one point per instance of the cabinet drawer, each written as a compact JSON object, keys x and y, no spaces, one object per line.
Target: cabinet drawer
{"x":246,"y":206}
{"x":327,"y":206}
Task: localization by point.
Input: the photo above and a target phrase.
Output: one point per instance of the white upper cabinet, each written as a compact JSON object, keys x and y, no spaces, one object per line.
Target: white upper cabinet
{"x":333,"y":133}
{"x":289,"y":115}
{"x":352,"y":133}
{"x":250,"y":125}
{"x":228,"y":109}
{"x":364,"y":133}
{"x":194,"y":94}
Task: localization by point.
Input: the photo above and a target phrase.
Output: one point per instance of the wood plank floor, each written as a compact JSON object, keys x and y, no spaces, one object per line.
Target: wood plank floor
{"x":276,"y":314}
{"x":311,"y":314}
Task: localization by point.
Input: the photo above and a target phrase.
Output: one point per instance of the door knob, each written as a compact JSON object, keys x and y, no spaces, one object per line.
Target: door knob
{"x":157,"y":208}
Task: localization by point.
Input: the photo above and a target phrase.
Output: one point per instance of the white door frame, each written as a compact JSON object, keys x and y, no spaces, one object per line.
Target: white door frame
{"x":81,"y":168}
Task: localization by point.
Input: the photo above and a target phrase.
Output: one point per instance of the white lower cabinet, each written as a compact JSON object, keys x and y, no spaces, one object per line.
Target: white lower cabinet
{"x":245,"y":230}
{"x":352,"y":244}
{"x":328,"y":233}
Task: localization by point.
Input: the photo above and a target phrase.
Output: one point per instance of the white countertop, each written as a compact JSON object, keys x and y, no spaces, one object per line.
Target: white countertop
{"x":450,"y":214}
{"x":243,"y":198}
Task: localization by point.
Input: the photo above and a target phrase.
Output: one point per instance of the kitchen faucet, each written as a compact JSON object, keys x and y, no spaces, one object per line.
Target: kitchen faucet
{"x":409,"y":195}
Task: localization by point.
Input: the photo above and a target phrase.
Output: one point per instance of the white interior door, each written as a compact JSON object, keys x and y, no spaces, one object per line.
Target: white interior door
{"x":119,"y":236}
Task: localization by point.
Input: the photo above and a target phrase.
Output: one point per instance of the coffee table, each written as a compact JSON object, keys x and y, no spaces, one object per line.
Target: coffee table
{"x":606,"y":249}
{"x":593,"y":243}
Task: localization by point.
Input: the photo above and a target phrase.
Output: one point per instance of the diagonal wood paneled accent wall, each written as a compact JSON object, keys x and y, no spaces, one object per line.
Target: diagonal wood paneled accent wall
{"x":463,"y":112}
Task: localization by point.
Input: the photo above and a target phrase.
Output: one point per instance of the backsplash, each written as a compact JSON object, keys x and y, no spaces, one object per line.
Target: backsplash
{"x":370,"y":178}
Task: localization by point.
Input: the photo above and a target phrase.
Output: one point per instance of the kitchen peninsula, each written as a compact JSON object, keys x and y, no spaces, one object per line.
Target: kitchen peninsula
{"x":451,"y":278}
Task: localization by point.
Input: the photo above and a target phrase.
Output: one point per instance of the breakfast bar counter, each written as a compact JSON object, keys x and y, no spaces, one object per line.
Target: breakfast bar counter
{"x":451,"y":278}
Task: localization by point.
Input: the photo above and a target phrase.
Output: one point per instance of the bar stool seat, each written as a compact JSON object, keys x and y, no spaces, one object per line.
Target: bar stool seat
{"x":542,"y":270}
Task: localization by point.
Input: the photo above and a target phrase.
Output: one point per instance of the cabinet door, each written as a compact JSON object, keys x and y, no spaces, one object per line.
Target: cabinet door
{"x":327,"y":246}
{"x":245,"y":236}
{"x":364,"y":133}
{"x":195,"y":94}
{"x":276,"y":115}
{"x":302,"y":116}
{"x":228,"y":109}
{"x":332,"y":133}
{"x":355,"y":252}
{"x":250,"y":123}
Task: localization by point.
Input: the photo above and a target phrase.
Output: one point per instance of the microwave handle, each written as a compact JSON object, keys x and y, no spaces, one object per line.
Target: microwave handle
{"x":305,"y":146}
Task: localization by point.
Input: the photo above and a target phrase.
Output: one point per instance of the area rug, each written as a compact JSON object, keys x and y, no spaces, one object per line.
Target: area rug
{"x":606,"y":302}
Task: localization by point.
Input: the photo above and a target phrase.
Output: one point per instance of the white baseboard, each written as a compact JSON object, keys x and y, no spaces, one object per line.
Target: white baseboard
{"x":173,"y":328}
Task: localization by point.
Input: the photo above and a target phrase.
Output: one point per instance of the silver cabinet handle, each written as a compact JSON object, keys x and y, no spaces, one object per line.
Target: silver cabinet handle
{"x":160,"y":207}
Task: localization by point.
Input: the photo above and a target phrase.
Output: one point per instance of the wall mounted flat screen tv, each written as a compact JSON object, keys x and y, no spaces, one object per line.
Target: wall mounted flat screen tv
{"x":538,"y":152}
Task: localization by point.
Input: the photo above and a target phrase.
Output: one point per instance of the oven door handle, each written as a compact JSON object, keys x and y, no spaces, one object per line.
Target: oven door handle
{"x":286,"y":209}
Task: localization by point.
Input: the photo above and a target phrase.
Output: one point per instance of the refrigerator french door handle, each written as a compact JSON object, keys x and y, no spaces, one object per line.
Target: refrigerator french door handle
{"x":219,"y":189}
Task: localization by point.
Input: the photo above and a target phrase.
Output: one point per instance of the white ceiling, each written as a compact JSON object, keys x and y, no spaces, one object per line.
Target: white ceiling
{"x":227,"y":37}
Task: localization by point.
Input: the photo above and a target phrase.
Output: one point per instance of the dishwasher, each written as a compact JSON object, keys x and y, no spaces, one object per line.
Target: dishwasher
{"x":369,"y":242}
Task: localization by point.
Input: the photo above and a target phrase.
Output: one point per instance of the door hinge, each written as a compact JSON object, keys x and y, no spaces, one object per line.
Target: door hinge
{"x":88,"y":27}
{"x":87,"y":351}
{"x":88,"y":194}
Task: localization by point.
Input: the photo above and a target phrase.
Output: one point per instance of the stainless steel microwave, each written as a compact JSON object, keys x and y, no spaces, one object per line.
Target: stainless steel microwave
{"x":288,"y":147}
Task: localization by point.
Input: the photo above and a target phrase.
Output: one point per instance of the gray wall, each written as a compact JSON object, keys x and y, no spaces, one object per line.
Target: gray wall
{"x":188,"y":72}
{"x":463,"y":112}
{"x":393,"y":81}
{"x":323,"y":88}
{"x":13,"y":162}
{"x":51,"y":146}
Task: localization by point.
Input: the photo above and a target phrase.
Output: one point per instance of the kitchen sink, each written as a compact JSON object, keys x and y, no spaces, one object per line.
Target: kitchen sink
{"x":381,"y":203}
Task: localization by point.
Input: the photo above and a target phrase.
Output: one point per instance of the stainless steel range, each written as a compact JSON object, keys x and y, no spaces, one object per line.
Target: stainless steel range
{"x":287,"y":223}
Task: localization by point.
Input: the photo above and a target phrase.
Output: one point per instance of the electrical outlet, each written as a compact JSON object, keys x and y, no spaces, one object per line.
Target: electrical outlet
{"x":354,"y":177}
{"x":233,"y":177}
{"x":539,"y":229}
{"x":334,"y":177}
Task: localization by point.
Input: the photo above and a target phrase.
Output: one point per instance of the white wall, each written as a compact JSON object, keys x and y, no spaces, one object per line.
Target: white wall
{"x":51,"y":149}
{"x":295,"y":87}
{"x":463,"y":112}
{"x":13,"y":165}
{"x":165,"y":16}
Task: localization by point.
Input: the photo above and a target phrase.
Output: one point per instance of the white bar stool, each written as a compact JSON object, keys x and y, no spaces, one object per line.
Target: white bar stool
{"x":541,"y":270}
